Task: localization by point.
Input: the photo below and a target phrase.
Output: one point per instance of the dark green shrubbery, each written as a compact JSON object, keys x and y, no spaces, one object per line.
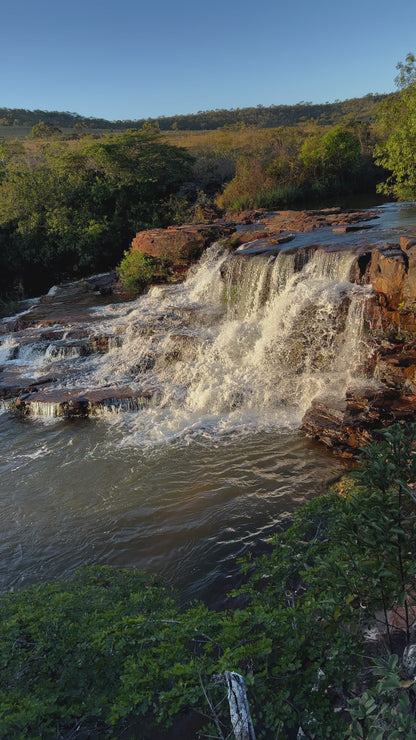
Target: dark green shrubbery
{"x":101,"y":650}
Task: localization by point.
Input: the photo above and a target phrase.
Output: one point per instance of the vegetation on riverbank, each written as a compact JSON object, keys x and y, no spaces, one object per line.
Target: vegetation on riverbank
{"x":71,"y":204}
{"x":93,"y":654}
{"x":71,"y":209}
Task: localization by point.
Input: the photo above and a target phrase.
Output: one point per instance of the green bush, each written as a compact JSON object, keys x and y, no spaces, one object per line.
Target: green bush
{"x":136,"y":271}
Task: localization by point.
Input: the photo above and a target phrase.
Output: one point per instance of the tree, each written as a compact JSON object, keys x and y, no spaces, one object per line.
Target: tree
{"x":80,"y":203}
{"x":397,"y":151}
{"x":44,"y":130}
{"x":332,"y":158}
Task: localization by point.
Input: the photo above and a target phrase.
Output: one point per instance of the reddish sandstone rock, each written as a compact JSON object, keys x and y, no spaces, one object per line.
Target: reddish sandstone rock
{"x":248,"y":236}
{"x":311,"y":220}
{"x":326,"y":421}
{"x":388,"y":274}
{"x":407,"y":241}
{"x":346,"y":425}
{"x":179,"y":244}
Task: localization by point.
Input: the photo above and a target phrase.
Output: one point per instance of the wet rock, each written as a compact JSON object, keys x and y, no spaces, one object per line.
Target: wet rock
{"x":13,"y":385}
{"x":326,"y":422}
{"x":388,"y":274}
{"x":65,"y":305}
{"x":76,"y":402}
{"x":102,"y":343}
{"x":407,"y":241}
{"x":346,"y":425}
{"x":144,"y":364}
{"x":265,"y":244}
{"x":103,"y":284}
{"x":351,"y":227}
{"x":243,"y":237}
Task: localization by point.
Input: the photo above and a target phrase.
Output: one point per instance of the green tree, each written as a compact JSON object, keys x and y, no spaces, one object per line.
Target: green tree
{"x":80,"y":203}
{"x":44,"y":130}
{"x":397,"y":150}
{"x":332,"y":159}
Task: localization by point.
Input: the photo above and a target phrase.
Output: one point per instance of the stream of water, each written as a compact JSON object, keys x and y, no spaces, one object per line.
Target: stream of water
{"x":214,"y":464}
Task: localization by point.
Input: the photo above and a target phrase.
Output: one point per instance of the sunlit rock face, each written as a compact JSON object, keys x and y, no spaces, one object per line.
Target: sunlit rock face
{"x":179,"y":244}
{"x":390,"y":324}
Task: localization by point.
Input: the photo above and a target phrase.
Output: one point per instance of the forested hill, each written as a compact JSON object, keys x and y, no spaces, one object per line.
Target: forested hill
{"x":364,"y":108}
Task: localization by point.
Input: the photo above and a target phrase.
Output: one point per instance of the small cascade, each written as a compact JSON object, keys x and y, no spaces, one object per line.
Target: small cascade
{"x":243,"y":342}
{"x":63,"y":351}
{"x":250,"y":281}
{"x":8,"y":349}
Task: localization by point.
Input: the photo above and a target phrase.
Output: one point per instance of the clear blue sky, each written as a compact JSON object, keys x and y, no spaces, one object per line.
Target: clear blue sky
{"x":135,"y":59}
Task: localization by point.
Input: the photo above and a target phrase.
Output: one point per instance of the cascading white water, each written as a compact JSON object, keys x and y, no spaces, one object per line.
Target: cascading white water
{"x":248,"y":350}
{"x":200,"y":476}
{"x":242,"y":344}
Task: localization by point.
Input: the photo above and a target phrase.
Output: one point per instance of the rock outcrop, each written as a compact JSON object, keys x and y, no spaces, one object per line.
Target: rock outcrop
{"x":390,"y":321}
{"x":179,"y":246}
{"x":77,"y":402}
{"x":300,"y":221}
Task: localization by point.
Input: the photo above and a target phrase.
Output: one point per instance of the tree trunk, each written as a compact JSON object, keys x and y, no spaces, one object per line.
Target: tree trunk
{"x":239,"y":709}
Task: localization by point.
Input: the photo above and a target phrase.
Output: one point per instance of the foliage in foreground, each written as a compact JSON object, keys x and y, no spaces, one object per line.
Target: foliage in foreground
{"x":95,"y":653}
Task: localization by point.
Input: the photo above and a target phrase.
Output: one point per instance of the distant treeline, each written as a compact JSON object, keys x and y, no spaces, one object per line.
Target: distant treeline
{"x":364,"y":109}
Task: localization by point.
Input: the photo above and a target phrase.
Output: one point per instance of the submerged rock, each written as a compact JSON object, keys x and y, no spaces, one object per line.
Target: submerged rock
{"x":75,"y":402}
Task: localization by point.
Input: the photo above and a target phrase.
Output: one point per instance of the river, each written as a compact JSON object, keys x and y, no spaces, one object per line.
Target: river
{"x":215,"y":464}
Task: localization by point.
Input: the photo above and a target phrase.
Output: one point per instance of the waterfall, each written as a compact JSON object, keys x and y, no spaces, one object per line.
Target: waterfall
{"x":250,"y":345}
{"x":241,"y":344}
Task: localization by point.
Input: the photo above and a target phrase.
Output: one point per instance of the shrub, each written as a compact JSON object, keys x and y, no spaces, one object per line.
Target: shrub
{"x":136,"y":271}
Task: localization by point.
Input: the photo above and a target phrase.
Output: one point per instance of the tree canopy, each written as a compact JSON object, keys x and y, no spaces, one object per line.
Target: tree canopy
{"x":78,"y":204}
{"x":397,"y":151}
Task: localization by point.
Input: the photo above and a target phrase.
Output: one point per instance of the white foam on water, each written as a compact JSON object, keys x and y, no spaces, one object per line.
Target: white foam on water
{"x":8,"y":346}
{"x":239,"y":346}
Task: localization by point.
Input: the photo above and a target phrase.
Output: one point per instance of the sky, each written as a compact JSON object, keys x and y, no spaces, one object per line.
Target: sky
{"x":132,"y":59}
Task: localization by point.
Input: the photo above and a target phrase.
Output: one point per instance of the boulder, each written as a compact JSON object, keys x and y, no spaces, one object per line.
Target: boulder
{"x":346,"y":425}
{"x":388,"y":274}
{"x":179,"y":245}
